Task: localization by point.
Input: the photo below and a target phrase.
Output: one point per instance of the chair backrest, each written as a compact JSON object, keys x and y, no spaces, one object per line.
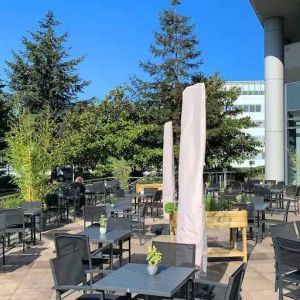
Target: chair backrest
{"x":177,"y":255}
{"x":99,"y":187}
{"x":261,"y":191}
{"x":248,"y":207}
{"x":287,"y":254}
{"x":286,"y":230}
{"x":120,"y":192}
{"x":89,"y":188}
{"x":13,"y":216}
{"x":52,"y":200}
{"x":119,"y":223}
{"x":92,"y":214}
{"x":249,"y":185}
{"x":234,"y":284}
{"x":157,"y":196}
{"x":67,"y":269}
{"x":66,"y":243}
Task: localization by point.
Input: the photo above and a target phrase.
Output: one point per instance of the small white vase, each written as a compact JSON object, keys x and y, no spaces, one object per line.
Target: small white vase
{"x":152,"y":270}
{"x":102,"y":230}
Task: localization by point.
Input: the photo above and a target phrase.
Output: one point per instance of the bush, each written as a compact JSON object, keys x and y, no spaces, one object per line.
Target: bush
{"x":149,"y":180}
{"x":11,"y":202}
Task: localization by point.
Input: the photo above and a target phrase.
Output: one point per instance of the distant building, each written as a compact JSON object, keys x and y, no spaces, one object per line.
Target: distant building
{"x":252,"y":102}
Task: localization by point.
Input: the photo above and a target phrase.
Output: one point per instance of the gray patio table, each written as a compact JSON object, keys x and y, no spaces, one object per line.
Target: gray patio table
{"x":33,"y":213}
{"x":133,"y":278}
{"x":123,"y":205}
{"x":110,"y":237}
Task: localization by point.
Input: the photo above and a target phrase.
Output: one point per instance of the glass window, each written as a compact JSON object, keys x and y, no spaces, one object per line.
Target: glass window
{"x":258,"y":108}
{"x":246,"y":108}
{"x":252,"y":108}
{"x":293,"y":95}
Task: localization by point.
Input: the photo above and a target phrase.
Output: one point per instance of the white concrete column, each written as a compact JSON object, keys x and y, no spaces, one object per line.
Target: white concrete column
{"x":274,"y":97}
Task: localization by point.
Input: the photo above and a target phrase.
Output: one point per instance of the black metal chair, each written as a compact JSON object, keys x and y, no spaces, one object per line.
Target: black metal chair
{"x":205,"y":289}
{"x":65,"y":243}
{"x":69,"y":275}
{"x":176,"y":254}
{"x":292,"y":193}
{"x":287,"y":255}
{"x":2,"y":236}
{"x":138,"y":220}
{"x":100,"y":190}
{"x":156,"y":203}
{"x":90,"y":194}
{"x":248,"y":187}
{"x":286,"y":230}
{"x":119,"y":224}
{"x":54,"y":206}
{"x":14,"y":222}
{"x":92,"y":214}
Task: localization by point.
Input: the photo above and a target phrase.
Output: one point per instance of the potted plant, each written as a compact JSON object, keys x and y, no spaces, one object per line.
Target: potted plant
{"x":153,"y":259}
{"x":103,"y":224}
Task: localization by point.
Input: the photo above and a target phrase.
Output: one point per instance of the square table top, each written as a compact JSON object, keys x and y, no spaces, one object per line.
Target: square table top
{"x":134,"y":278}
{"x":111,"y":236}
{"x":30,"y":212}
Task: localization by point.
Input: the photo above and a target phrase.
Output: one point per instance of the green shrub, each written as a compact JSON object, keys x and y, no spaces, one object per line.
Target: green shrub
{"x":170,"y":207}
{"x":149,"y":180}
{"x":11,"y":202}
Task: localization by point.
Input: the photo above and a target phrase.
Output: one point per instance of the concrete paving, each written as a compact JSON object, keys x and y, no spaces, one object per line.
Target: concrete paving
{"x":28,"y":275}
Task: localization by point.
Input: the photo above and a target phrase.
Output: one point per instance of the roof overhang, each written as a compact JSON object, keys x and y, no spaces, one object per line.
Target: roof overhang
{"x":289,"y":10}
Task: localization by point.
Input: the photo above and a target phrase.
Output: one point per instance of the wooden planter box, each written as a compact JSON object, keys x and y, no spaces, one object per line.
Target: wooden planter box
{"x":232,"y":220}
{"x":141,"y":186}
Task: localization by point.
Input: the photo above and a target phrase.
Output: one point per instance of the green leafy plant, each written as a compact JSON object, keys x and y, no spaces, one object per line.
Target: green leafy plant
{"x":149,"y":180}
{"x":154,"y":256}
{"x":121,"y":170}
{"x":210,"y":203}
{"x":32,"y":152}
{"x":170,"y":207}
{"x":103,"y":222}
{"x":11,"y":202}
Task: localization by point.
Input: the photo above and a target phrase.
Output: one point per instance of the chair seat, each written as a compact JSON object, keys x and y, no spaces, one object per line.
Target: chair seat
{"x":292,"y":276}
{"x":294,"y":294}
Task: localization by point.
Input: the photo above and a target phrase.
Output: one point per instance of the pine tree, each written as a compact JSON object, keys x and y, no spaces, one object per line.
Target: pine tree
{"x":176,"y":60}
{"x":42,"y":74}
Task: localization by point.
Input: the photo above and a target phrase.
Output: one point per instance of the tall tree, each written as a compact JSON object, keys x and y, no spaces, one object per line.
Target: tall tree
{"x":176,"y":65}
{"x":176,"y":58}
{"x":42,"y":74}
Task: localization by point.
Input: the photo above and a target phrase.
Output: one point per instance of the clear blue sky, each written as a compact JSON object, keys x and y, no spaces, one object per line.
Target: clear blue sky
{"x":115,"y":35}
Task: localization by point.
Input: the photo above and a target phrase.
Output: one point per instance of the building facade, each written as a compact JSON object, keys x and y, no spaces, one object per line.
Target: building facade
{"x":281,"y":23}
{"x":252,"y":102}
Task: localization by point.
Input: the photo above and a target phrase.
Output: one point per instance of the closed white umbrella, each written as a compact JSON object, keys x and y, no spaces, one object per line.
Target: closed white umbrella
{"x":191,"y":228}
{"x":168,"y":166}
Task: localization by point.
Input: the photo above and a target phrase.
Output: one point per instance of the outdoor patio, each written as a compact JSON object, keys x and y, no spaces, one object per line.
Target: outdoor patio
{"x":28,"y":275}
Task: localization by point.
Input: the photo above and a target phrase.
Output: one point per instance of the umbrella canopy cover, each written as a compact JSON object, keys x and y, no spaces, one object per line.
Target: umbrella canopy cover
{"x":168,"y":166}
{"x":191,"y":228}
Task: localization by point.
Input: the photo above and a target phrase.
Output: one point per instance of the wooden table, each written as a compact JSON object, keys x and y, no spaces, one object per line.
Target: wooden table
{"x":232,"y":220}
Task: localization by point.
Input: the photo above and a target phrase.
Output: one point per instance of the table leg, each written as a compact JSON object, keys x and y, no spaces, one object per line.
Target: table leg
{"x":111,"y":256}
{"x":244,"y":241}
{"x":121,"y":254}
{"x":34,"y":231}
{"x":129,"y":249}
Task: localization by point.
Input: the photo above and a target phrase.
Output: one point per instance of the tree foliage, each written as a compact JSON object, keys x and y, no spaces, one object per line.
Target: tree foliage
{"x":42,"y":74}
{"x":92,"y":133}
{"x":4,"y":116}
{"x":32,"y":152}
{"x":175,"y":65}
